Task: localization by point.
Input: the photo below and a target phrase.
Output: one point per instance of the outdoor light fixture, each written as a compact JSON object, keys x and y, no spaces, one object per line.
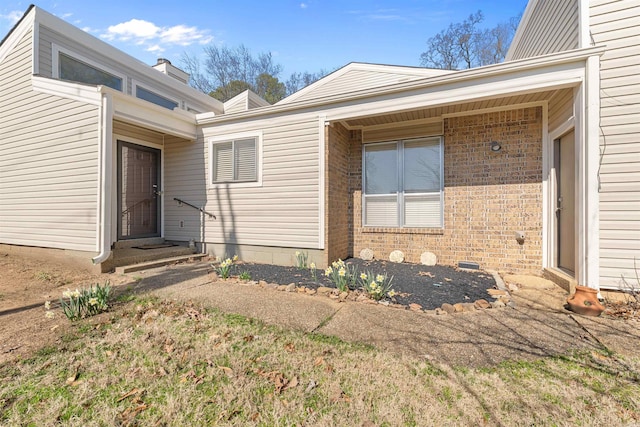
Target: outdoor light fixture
{"x":495,"y":146}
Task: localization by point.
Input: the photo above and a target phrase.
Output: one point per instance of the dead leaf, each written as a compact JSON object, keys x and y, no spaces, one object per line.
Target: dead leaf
{"x":319,"y":361}
{"x":254,"y":416}
{"x":248,"y":338}
{"x":72,"y":379}
{"x":329,"y":368}
{"x":132,"y":392}
{"x":447,"y":279}
{"x":227,"y":370}
{"x":290,"y":347}
{"x":426,"y":273}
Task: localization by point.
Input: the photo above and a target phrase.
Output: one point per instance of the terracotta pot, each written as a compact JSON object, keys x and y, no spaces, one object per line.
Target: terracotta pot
{"x":585,"y":301}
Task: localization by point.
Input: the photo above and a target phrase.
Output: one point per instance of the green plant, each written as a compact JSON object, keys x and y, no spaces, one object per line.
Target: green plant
{"x":224,"y":268}
{"x":342,"y":275}
{"x":301,"y":260}
{"x":314,"y":271}
{"x":245,"y":275}
{"x":377,"y":286}
{"x":83,"y":303}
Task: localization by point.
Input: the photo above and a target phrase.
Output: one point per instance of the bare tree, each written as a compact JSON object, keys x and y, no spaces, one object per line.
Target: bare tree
{"x":297,"y":81}
{"x":465,"y":45}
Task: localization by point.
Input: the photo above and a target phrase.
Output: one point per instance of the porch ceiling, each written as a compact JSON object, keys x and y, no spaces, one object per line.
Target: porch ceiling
{"x":437,"y":112}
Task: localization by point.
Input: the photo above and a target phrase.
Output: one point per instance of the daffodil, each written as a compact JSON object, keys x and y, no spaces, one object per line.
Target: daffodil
{"x":49,"y":315}
{"x":235,"y":257}
{"x":47,"y":305}
{"x":392,"y":293}
{"x":342,"y":272}
{"x":328,"y":271}
{"x":380,"y":278}
{"x":93,"y":301}
{"x":363,"y":276}
{"x":312,"y":266}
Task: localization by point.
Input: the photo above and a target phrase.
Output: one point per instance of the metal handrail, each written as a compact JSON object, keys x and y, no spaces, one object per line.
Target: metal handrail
{"x":195,"y":207}
{"x":130,"y":208}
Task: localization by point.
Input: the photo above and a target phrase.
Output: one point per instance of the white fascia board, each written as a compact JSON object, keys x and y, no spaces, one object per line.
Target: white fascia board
{"x":17,"y":33}
{"x":360,"y":101}
{"x":137,"y":111}
{"x":124,"y":60}
{"x":76,"y":91}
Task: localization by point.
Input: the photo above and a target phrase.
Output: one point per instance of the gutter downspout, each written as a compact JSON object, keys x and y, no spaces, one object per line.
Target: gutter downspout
{"x":105,"y":163}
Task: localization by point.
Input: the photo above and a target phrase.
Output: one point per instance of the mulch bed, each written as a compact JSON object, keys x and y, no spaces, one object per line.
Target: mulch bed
{"x":428,"y":286}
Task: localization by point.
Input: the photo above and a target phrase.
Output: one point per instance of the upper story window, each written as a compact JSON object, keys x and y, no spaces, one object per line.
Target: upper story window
{"x":403,"y":183}
{"x":235,"y":159}
{"x":160,"y":100}
{"x":75,"y":70}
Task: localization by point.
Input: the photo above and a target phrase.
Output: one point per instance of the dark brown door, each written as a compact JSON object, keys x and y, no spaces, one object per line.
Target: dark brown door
{"x":138,"y":191}
{"x":565,"y":204}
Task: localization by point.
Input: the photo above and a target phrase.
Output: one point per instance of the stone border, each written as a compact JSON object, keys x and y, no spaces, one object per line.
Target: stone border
{"x":501,"y":295}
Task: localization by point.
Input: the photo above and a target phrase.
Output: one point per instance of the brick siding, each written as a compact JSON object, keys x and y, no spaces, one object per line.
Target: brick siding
{"x":487,"y":196}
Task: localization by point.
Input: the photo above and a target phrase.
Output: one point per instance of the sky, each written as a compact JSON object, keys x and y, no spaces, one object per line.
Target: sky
{"x":302,"y":35}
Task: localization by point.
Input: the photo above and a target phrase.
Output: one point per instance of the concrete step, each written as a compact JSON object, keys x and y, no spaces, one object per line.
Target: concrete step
{"x":136,"y":255}
{"x":123,"y":244}
{"x":124,"y":269}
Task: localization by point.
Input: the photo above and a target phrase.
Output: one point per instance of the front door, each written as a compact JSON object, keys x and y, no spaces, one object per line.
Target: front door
{"x":138,"y":189}
{"x":565,"y":203}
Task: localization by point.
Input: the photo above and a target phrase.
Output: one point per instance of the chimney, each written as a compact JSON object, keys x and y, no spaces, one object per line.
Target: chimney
{"x":164,"y":66}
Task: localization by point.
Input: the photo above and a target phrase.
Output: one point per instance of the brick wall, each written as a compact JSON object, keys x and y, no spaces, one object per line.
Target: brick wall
{"x":338,"y":230}
{"x":487,"y":197}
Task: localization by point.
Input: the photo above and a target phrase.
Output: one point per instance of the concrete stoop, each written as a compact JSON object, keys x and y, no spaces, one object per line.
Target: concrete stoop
{"x":140,"y":254}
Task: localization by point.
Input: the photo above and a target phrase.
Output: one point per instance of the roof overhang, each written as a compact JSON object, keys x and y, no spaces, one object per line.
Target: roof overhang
{"x":531,"y":75}
{"x":126,"y":108}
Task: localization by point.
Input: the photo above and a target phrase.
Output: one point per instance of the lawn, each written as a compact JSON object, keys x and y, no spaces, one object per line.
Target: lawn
{"x":155,"y":362}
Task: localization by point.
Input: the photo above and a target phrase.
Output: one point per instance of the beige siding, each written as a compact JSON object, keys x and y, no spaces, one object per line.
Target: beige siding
{"x":560,"y":108}
{"x":284,"y":211}
{"x":48,"y":162}
{"x":551,"y":26}
{"x":409,"y":131}
{"x":615,"y":24}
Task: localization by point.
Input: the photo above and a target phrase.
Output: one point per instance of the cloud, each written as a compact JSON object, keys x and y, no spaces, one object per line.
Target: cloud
{"x":155,"y":38}
{"x":13,"y":16}
{"x":303,"y":5}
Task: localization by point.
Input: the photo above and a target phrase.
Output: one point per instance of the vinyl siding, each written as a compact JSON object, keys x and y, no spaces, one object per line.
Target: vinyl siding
{"x":283,"y":212}
{"x":560,"y":108}
{"x":48,"y":162}
{"x":552,"y":26}
{"x":615,"y":24}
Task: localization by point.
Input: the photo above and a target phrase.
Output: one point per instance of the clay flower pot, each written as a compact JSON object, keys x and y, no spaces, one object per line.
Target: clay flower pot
{"x":585,"y":301}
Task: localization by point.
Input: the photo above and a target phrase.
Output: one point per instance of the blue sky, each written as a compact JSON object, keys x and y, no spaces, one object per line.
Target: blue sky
{"x":302,"y":35}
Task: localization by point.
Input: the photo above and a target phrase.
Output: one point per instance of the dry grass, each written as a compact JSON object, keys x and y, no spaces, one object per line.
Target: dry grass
{"x":154,"y":362}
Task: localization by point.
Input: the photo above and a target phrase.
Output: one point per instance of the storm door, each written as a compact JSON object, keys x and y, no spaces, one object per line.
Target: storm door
{"x":564,"y":154}
{"x":138,"y":191}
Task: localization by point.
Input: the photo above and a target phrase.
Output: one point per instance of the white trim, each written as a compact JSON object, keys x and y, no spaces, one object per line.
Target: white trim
{"x":562,"y":129}
{"x":592,"y":162}
{"x":322,"y":146}
{"x":407,"y":123}
{"x":584,"y":35}
{"x":105,"y":175}
{"x":506,"y":107}
{"x":35,"y":50}
{"x":69,"y":90}
{"x":547,"y":206}
{"x":134,"y":85}
{"x":55,"y":65}
{"x":230,"y":137}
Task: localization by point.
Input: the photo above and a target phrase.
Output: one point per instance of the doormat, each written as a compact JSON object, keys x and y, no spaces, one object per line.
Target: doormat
{"x":160,"y":246}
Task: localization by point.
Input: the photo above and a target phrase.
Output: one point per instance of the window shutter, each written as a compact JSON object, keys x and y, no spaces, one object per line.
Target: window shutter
{"x":381,"y":211}
{"x":223,"y":162}
{"x":422,"y":210}
{"x":245,"y":160}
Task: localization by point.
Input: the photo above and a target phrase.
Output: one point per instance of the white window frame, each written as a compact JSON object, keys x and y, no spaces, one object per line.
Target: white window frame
{"x":134,"y":90}
{"x":401,"y":195}
{"x":55,"y":64}
{"x":228,"y":138}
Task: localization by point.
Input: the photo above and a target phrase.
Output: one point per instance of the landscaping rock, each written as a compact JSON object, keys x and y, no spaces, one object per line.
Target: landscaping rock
{"x":415,"y":307}
{"x":448,"y":308}
{"x":396,"y":256}
{"x":482,"y":304}
{"x":428,"y":258}
{"x":323,"y":290}
{"x":497,"y":304}
{"x":440,"y":312}
{"x":458,"y":308}
{"x":468,"y":306}
{"x":271,"y":286}
{"x":496,"y":292}
{"x":291,"y":287}
{"x":262,"y":283}
{"x":343,"y":296}
{"x":282,"y":288}
{"x":366,"y":254}
{"x":311,"y":291}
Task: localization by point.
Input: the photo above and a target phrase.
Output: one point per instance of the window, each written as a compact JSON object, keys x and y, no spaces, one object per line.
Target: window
{"x":402,"y":183}
{"x":147,"y":95}
{"x":234,"y":160}
{"x":77,"y":71}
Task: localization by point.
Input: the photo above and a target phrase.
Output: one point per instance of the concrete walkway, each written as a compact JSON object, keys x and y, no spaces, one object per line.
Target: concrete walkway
{"x":538,"y":326}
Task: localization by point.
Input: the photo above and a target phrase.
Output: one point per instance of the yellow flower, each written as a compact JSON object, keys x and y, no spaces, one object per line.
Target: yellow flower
{"x":93,"y":301}
{"x":313,"y":265}
{"x":76,"y":294}
{"x":328,"y":271}
{"x":342,"y":272}
{"x":235,"y":257}
{"x":49,"y":315}
{"x":297,"y":253}
{"x":373,"y":285}
{"x":47,"y":305}
{"x":363,"y":276}
{"x":67,"y":293}
{"x":392,"y":293}
{"x":380,"y":278}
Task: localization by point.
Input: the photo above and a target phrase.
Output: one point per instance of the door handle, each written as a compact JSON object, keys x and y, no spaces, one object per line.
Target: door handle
{"x":559,"y":205}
